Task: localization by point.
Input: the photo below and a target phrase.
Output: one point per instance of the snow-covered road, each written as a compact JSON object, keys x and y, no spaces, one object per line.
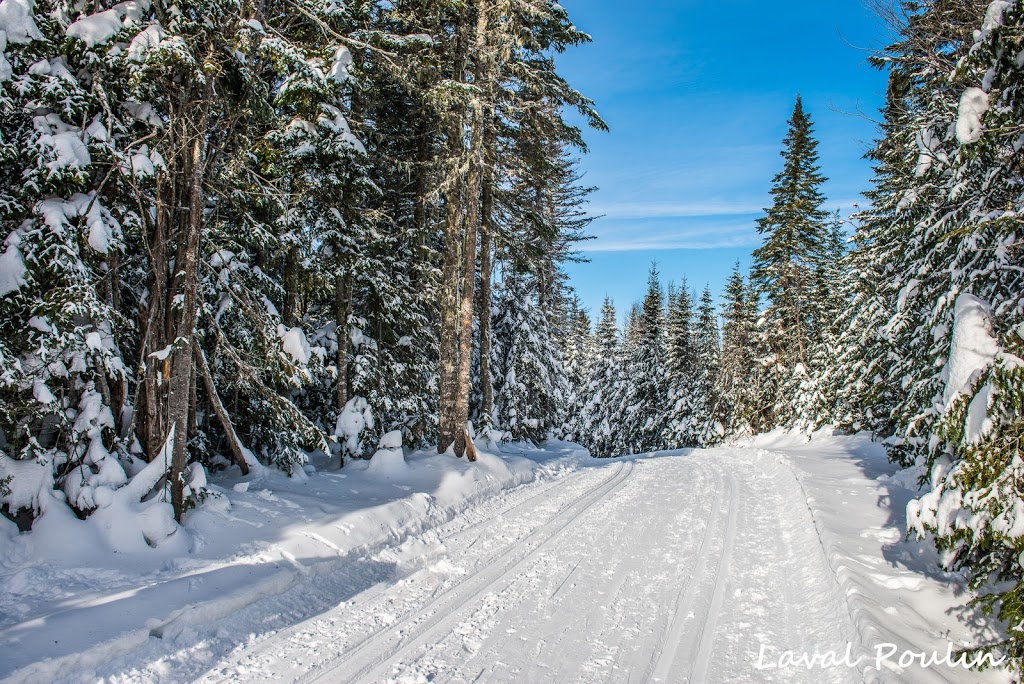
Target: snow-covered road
{"x":671,"y":568}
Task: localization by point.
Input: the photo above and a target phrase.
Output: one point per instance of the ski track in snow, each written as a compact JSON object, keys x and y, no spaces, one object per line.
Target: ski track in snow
{"x":666,"y":569}
{"x":669,"y":568}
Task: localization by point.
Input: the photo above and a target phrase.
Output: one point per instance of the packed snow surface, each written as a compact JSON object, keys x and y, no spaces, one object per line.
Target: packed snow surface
{"x":531,"y":565}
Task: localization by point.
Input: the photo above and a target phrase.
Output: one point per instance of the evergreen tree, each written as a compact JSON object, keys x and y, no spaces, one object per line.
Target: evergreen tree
{"x":646,"y":407}
{"x":786,"y":265}
{"x":708,"y":359}
{"x":684,"y":419}
{"x":600,"y":422}
{"x":530,"y":388}
{"x":815,"y":392}
{"x":578,"y":349}
{"x":223,"y":249}
{"x":738,"y":370}
{"x":971,"y":281}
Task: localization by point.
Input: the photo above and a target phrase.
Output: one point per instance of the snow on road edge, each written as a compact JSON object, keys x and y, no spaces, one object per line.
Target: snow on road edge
{"x":893,"y":588}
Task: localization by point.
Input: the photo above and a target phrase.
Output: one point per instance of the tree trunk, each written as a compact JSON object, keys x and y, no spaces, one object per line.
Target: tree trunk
{"x":291,"y":286}
{"x":448,"y":305}
{"x":486,"y":275}
{"x":482,"y":76}
{"x":449,"y":339}
{"x":188,"y":284}
{"x":222,"y":415}
{"x":153,"y":428}
{"x":342,"y":311}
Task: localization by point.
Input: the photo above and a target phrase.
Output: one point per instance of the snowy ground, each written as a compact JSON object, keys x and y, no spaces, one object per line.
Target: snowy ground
{"x":541,"y":566}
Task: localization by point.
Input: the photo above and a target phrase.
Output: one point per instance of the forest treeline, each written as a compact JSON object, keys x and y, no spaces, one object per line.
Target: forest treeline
{"x":244,"y":232}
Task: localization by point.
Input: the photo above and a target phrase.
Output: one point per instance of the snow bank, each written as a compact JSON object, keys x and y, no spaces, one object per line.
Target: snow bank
{"x":894,"y":592}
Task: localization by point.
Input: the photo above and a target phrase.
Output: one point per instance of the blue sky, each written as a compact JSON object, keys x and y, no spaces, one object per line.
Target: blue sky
{"x":697,"y":95}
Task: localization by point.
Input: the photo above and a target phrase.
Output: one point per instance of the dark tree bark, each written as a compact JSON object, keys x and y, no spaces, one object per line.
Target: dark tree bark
{"x":218,"y":408}
{"x":187,"y":269}
{"x":486,"y":295}
{"x":292,"y":281}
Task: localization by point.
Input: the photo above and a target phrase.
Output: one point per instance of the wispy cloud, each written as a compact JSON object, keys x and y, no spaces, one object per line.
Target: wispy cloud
{"x":707,"y":209}
{"x":622,"y":239}
{"x":644,"y":210}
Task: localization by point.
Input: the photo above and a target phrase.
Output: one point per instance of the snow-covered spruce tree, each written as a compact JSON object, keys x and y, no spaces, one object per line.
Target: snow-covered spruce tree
{"x":867,"y":372}
{"x":601,"y":419}
{"x":532,"y":222}
{"x":646,"y":409}
{"x":300,"y":196}
{"x":203,"y":82}
{"x":977,"y":477}
{"x":816,"y":399}
{"x":708,"y":345}
{"x":908,"y":238}
{"x":786,"y":265}
{"x":530,"y":380}
{"x":578,"y":352}
{"x":63,"y":403}
{"x":684,"y":419}
{"x":739,"y":376}
{"x":384,"y":291}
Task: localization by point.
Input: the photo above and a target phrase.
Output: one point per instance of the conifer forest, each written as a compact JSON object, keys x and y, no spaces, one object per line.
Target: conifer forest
{"x":279,"y":263}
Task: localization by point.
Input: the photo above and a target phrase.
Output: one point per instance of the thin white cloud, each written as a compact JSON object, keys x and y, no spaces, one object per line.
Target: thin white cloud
{"x":644,"y":210}
{"x":629,"y":226}
{"x":663,"y":210}
{"x":708,"y":237}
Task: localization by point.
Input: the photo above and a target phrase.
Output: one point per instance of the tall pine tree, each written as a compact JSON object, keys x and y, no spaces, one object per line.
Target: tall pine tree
{"x":787,"y":263}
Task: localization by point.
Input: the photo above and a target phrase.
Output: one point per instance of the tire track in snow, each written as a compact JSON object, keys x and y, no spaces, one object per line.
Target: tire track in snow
{"x":386,"y":646}
{"x":675,"y":634}
{"x":239,"y":666}
{"x":589,"y":625}
{"x":706,"y":643}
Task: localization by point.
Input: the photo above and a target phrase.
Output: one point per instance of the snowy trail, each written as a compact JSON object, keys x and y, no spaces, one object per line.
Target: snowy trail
{"x":667,"y":569}
{"x":687,"y":566}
